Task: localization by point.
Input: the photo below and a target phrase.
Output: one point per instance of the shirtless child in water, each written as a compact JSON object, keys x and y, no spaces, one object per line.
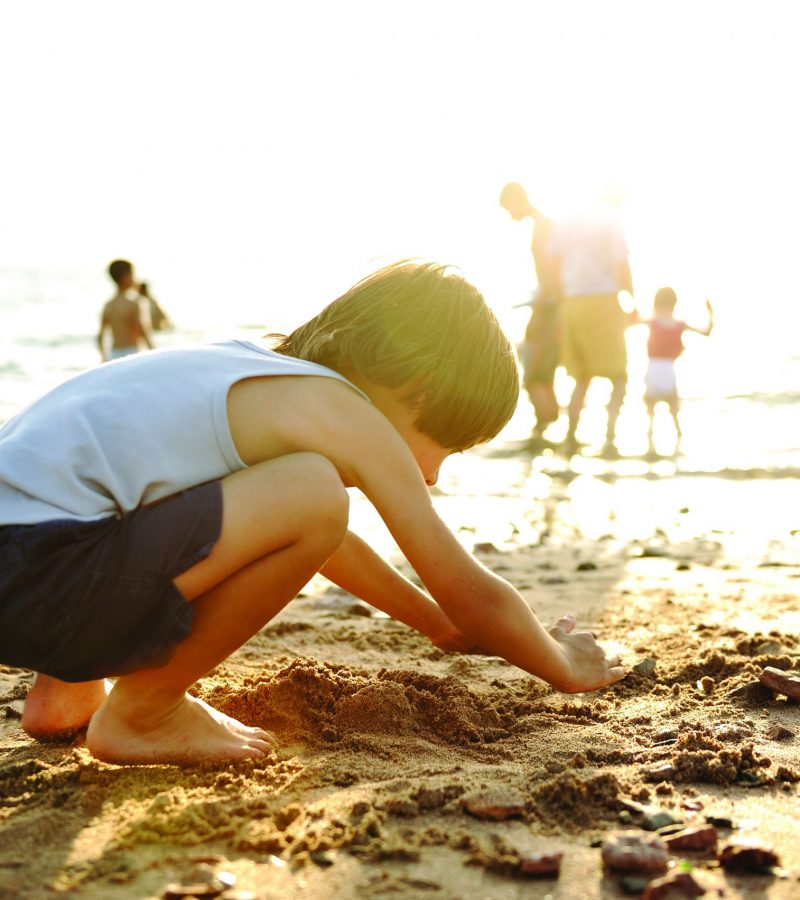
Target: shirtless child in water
{"x":151,"y":546}
{"x":123,"y":316}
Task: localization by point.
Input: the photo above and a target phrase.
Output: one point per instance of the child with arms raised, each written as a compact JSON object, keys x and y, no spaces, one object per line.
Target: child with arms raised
{"x":156,"y":512}
{"x":664,"y":346}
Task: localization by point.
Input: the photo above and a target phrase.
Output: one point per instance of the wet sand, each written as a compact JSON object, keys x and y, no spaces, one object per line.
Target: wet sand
{"x":390,"y":746}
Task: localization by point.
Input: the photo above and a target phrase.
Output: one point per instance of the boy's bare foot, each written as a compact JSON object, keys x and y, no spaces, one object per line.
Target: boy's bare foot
{"x":189,"y":732}
{"x":57,"y":709}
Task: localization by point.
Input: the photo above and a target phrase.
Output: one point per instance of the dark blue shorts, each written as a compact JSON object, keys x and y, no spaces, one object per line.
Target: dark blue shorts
{"x":86,"y":600}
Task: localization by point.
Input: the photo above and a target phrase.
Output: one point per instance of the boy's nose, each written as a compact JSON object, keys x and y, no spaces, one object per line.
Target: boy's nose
{"x":432,"y":479}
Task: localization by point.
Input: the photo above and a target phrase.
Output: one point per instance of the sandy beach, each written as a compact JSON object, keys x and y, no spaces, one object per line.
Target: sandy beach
{"x":404,"y":771}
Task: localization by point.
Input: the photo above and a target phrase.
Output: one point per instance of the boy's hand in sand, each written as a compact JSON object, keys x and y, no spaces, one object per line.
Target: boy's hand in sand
{"x":589,"y":667}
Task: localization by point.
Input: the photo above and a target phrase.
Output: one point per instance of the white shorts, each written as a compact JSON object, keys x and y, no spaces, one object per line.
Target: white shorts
{"x":120,"y":352}
{"x":659,"y":382}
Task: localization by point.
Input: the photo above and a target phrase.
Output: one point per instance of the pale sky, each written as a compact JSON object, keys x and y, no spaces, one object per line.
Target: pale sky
{"x":236,"y":143}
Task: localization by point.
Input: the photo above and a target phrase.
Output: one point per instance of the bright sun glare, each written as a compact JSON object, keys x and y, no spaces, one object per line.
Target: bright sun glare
{"x":257,"y":153}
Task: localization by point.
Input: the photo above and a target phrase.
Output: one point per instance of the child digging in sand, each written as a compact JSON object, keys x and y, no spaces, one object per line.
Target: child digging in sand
{"x":156,"y":512}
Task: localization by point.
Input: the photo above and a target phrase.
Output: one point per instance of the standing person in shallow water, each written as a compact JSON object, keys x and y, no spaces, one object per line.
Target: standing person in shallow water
{"x":540,"y":349}
{"x":151,"y":546}
{"x":664,"y":346}
{"x":591,"y":255}
{"x":123,"y":316}
{"x":159,"y":320}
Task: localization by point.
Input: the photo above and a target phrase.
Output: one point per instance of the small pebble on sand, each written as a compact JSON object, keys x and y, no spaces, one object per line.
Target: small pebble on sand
{"x":632,"y":852}
{"x":496,"y":805}
{"x":541,"y":865}
{"x":781,"y":682}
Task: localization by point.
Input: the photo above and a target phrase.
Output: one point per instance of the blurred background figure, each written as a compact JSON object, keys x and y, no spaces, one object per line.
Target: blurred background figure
{"x":591,"y":256}
{"x":123,"y":316}
{"x":539,"y":351}
{"x":664,"y":346}
{"x":159,"y":320}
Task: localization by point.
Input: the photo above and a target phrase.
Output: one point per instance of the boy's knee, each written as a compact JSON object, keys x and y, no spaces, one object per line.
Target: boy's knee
{"x":331,"y":501}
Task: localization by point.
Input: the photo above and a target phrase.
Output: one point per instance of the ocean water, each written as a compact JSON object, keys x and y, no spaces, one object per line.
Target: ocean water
{"x":740,"y":387}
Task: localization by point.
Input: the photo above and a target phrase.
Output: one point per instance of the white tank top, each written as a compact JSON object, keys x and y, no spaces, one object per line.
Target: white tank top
{"x":130,"y":432}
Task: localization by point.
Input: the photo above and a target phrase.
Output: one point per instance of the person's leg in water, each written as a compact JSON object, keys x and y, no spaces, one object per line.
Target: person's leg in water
{"x":574,"y":411}
{"x":540,"y":360}
{"x":545,"y":407}
{"x":618,"y":388}
{"x":650,"y":403}
{"x":674,"y":407}
{"x":281,"y":521}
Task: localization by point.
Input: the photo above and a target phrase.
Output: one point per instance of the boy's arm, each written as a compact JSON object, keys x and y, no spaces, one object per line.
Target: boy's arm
{"x":101,"y":334}
{"x":481,"y":605}
{"x":357,"y":568}
{"x":370,"y":454}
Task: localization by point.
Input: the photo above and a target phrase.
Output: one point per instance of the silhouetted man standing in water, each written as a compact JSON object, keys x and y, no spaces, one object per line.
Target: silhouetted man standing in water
{"x":539,"y":351}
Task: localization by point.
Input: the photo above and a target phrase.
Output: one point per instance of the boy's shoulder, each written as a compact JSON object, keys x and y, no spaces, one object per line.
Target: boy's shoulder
{"x":300,"y":412}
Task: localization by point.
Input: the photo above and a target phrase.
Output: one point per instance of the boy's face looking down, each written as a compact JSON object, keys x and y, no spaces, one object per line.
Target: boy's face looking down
{"x":427,"y":452}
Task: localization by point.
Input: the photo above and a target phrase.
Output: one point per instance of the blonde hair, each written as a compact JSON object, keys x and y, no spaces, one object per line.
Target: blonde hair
{"x":422,"y":328}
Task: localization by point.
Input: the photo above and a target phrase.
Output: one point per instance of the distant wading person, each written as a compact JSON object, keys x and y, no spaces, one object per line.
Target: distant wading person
{"x":159,"y":320}
{"x":150,"y":546}
{"x":664,"y":346}
{"x":539,"y":350}
{"x":123,"y":316}
{"x":592,"y":259}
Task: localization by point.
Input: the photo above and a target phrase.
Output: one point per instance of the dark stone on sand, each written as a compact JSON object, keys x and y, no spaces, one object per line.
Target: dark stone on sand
{"x":323,"y":858}
{"x":645,"y":666}
{"x":742,"y":857}
{"x":698,"y":837}
{"x":780,"y":733}
{"x":781,"y":682}
{"x":484,"y":547}
{"x":676,"y":884}
{"x":654,"y":819}
{"x":720,"y":821}
{"x":632,"y":852}
{"x":358,"y":609}
{"x":541,"y":865}
{"x":494,"y":804}
{"x":662,"y":772}
{"x":748,"y":778}
{"x":682,"y":567}
{"x":586,"y":566}
{"x":553,"y":579}
{"x":633,"y":884}
{"x":751,"y":692}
